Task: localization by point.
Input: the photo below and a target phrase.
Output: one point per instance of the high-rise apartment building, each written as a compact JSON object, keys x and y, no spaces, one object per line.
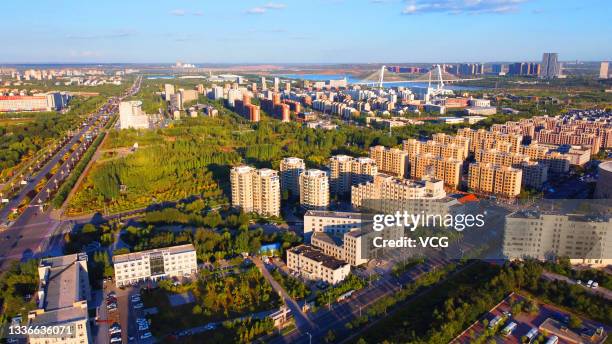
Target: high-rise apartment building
{"x":290,"y":170}
{"x":390,"y":160}
{"x":314,"y":189}
{"x":132,"y":116}
{"x":255,"y":190}
{"x":63,"y":293}
{"x":346,"y":171}
{"x":168,"y":91}
{"x":603,"y":70}
{"x":535,"y":174}
{"x":550,"y":66}
{"x":500,"y":158}
{"x":448,"y":170}
{"x":494,"y":179}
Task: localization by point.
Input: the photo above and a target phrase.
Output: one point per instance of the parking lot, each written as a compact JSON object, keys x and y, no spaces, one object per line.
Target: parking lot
{"x":525,"y":322}
{"x":121,"y":315}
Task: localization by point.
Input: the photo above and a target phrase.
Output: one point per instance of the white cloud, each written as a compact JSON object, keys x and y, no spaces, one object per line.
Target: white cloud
{"x":178,"y":12}
{"x":462,"y":6}
{"x":263,"y":9}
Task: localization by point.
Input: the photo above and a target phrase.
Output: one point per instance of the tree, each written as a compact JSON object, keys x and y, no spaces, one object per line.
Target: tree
{"x":330,"y":337}
{"x":575,"y":322}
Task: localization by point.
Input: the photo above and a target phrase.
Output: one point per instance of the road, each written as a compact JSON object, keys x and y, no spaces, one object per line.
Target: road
{"x":30,"y":234}
{"x":599,"y":291}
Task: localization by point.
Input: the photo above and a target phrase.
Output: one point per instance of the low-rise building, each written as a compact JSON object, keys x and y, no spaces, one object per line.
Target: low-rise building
{"x":313,"y":264}
{"x":161,"y":263}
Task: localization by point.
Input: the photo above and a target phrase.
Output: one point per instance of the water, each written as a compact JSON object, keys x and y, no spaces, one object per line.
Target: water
{"x":351,"y":80}
{"x":155,"y":77}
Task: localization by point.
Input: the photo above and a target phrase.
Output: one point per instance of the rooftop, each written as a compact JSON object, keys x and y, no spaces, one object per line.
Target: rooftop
{"x":318,"y":256}
{"x":333,"y":214}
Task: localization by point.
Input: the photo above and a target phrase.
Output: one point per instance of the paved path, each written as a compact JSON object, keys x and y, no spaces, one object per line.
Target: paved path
{"x":599,"y":291}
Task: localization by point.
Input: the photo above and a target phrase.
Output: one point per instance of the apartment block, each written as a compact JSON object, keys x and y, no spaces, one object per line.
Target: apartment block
{"x":333,"y":222}
{"x":290,"y":170}
{"x":313,"y":264}
{"x":495,"y":179}
{"x":256,"y":190}
{"x":496,"y":157}
{"x":390,"y":160}
{"x":346,"y":171}
{"x":446,"y":169}
{"x":584,"y":239}
{"x":161,"y":263}
{"x":314,"y":189}
{"x":61,"y":300}
{"x":482,"y":139}
{"x":535,"y":174}
{"x":386,"y":187}
{"x":438,"y":149}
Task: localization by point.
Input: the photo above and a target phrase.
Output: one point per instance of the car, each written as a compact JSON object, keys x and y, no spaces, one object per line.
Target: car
{"x":115,"y":340}
{"x":594,"y":285}
{"x":145,"y":335}
{"x":579,"y":282}
{"x":111,"y":305}
{"x":589,"y":283}
{"x":131,"y":339}
{"x":138,"y":305}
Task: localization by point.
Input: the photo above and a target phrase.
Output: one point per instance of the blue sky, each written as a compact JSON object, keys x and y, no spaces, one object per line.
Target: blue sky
{"x":303,"y":31}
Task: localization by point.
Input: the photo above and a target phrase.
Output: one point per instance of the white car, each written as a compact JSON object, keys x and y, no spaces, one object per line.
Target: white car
{"x":143,"y":327}
{"x":145,"y":335}
{"x":138,"y":305}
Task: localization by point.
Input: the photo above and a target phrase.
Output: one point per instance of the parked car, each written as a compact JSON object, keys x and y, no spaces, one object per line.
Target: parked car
{"x":145,"y":335}
{"x":138,"y":305}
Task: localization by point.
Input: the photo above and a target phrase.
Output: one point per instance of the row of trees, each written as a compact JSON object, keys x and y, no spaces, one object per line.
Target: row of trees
{"x":18,"y":284}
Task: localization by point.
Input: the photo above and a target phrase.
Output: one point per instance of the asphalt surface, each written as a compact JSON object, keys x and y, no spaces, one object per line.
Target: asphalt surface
{"x":30,"y":234}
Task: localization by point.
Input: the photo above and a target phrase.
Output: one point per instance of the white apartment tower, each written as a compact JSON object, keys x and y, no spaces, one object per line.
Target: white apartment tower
{"x":314,"y":189}
{"x":255,"y":190}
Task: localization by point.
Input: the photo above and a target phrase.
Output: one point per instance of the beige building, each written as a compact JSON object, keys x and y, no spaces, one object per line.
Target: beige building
{"x":346,"y":247}
{"x":493,"y":156}
{"x":160,"y":263}
{"x":494,"y":179}
{"x":462,"y":142}
{"x":446,"y":169}
{"x":584,"y":239}
{"x":438,"y":149}
{"x":390,"y":160}
{"x":314,"y":189}
{"x":386,"y":187}
{"x":535,"y":174}
{"x":290,"y":170}
{"x":255,"y":190}
{"x":63,"y":293}
{"x":313,"y":264}
{"x":482,"y":139}
{"x":346,"y":171}
{"x":333,"y":222}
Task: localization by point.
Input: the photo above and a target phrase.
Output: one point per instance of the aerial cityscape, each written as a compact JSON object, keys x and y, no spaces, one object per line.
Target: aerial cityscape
{"x":325,"y":171}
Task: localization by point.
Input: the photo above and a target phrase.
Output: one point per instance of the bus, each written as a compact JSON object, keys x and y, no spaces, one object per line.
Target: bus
{"x":531,"y":334}
{"x":509,"y":328}
{"x":553,"y":340}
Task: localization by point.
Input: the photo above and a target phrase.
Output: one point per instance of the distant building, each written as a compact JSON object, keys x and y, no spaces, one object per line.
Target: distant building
{"x":132,"y":116}
{"x":63,"y":293}
{"x":494,"y":179}
{"x":386,"y":187}
{"x":550,"y":66}
{"x":160,"y":263}
{"x":290,"y":170}
{"x":483,"y":111}
{"x":52,"y":101}
{"x":314,"y":189}
{"x":390,"y":160}
{"x":603,"y":70}
{"x":168,"y":91}
{"x":346,"y":171}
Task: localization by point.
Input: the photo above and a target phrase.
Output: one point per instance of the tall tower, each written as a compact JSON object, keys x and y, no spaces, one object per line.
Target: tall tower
{"x":550,"y":66}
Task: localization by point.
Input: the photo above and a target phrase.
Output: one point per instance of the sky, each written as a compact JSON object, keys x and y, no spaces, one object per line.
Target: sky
{"x":303,"y":31}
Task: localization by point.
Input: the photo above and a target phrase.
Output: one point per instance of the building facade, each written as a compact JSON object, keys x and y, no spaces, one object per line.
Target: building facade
{"x":256,"y":190}
{"x":315,"y":265}
{"x":290,"y":170}
{"x":314,"y":189}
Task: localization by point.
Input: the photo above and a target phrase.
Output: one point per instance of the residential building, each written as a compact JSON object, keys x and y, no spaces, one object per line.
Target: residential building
{"x":132,"y":116}
{"x":256,"y":190}
{"x":346,"y":247}
{"x":390,"y":160}
{"x":314,"y":189}
{"x":62,"y":299}
{"x":386,"y":187}
{"x":603,"y":70}
{"x":290,"y":170}
{"x":550,"y":66}
{"x":346,"y":171}
{"x":51,"y":101}
{"x":315,"y":265}
{"x":545,"y":235}
{"x":494,"y":179}
{"x":535,"y":174}
{"x":156,"y":264}
{"x":446,"y":169}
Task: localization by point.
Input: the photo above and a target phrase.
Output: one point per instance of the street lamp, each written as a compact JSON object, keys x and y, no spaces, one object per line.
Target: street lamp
{"x":309,"y":337}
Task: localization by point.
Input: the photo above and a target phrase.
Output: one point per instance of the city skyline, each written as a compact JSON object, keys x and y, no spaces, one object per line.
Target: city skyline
{"x":416,"y":31}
